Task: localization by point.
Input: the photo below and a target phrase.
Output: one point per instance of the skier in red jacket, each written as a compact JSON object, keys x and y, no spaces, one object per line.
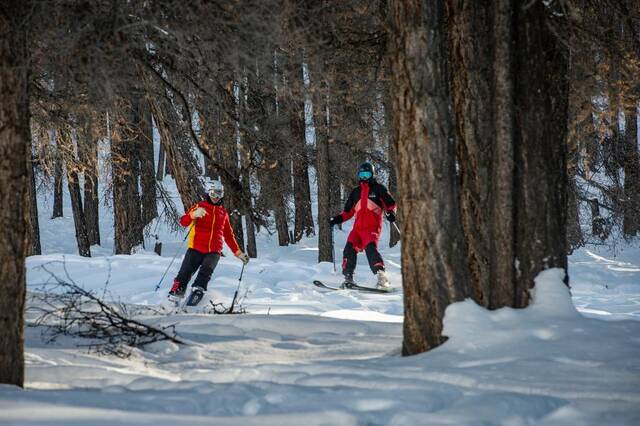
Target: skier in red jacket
{"x":367,"y":202}
{"x":209,"y":226}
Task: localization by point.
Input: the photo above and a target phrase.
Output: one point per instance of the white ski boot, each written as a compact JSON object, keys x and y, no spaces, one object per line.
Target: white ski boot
{"x":383,"y":281}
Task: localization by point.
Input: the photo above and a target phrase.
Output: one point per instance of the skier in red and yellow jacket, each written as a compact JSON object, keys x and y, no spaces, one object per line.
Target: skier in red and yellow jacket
{"x":367,"y":202}
{"x":210,"y":225}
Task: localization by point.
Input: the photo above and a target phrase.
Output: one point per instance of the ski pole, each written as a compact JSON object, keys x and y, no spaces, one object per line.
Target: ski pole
{"x":394,"y":225}
{"x":235,"y":295}
{"x":397,"y":229}
{"x":174,"y":258}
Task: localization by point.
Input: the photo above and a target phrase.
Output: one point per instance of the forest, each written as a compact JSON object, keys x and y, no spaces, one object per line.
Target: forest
{"x":507,"y":132}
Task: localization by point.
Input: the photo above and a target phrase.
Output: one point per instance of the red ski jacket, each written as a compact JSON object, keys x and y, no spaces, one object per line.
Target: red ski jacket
{"x":207,"y":233}
{"x":367,"y":202}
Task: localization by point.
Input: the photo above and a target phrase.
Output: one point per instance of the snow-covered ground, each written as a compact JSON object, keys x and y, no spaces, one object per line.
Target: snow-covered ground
{"x":306,"y":356}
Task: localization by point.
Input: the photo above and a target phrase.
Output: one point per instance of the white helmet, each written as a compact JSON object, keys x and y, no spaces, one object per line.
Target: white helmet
{"x":215,"y":189}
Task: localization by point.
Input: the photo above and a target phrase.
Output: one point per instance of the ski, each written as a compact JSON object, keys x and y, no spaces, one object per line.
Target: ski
{"x":353,"y":287}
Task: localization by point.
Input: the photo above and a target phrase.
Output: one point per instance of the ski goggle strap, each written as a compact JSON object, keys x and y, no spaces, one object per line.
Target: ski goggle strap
{"x":364,"y":174}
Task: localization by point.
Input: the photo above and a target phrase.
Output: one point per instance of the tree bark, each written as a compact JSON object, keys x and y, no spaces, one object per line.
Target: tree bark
{"x":631,"y":163}
{"x":14,"y":183}
{"x":89,"y":152}
{"x":433,"y":266}
{"x":73,"y":183}
{"x":33,"y":228}
{"x":500,"y":108}
{"x":126,"y":199}
{"x":540,"y":152}
{"x":161,"y":160}
{"x":57,"y":181}
{"x":471,"y":47}
{"x":252,"y":247}
{"x":323,"y":173}
{"x":303,"y":219}
{"x":280,"y":205}
{"x":147,"y":172}
{"x":184,"y":167}
{"x":394,"y":235}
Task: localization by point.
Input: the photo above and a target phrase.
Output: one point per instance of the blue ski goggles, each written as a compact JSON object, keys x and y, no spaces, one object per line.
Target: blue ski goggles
{"x":364,"y":175}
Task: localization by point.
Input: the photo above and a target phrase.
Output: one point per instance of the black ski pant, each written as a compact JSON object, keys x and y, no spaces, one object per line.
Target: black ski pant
{"x":193,"y":260}
{"x":349,"y":257}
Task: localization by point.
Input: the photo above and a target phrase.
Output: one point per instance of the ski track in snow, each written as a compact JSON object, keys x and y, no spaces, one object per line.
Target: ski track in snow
{"x":307,"y":356}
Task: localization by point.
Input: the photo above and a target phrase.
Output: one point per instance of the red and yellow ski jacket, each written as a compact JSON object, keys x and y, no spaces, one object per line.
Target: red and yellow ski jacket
{"x":207,"y":232}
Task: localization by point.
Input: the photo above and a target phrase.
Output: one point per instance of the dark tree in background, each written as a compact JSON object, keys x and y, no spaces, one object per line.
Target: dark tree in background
{"x":125,"y":143}
{"x":65,"y":139}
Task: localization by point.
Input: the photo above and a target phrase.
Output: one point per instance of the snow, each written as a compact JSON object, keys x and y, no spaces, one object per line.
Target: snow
{"x":308,"y":356}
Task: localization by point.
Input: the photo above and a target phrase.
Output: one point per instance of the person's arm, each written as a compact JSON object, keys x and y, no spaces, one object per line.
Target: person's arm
{"x":229,"y":236}
{"x":349,"y":208}
{"x":186,"y":219}
{"x":388,"y":203}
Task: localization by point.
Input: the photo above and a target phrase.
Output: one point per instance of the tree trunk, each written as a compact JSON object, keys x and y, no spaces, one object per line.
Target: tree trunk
{"x":500,"y":106}
{"x":472,"y":42}
{"x":167,"y":162}
{"x":15,"y":139}
{"x":160,"y":168}
{"x":252,"y":248}
{"x":631,"y":220}
{"x":57,"y":181}
{"x":33,"y":228}
{"x":579,"y":141}
{"x":126,"y":199}
{"x":598,"y":223}
{"x":147,"y":172}
{"x":184,"y":167}
{"x":303,"y":219}
{"x":433,"y":266}
{"x":323,"y":174}
{"x":574,"y":231}
{"x":73,"y":183}
{"x":540,"y":152}
{"x":89,"y":152}
{"x":394,"y":235}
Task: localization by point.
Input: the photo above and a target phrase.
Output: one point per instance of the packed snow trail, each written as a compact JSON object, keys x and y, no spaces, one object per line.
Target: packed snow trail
{"x":545,"y":364}
{"x":304,"y":356}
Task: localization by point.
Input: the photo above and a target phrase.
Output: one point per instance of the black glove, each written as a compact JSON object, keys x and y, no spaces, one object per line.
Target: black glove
{"x":336,"y":220}
{"x":391,"y":217}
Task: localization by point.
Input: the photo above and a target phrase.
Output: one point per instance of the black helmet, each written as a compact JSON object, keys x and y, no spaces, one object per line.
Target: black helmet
{"x":366,"y":171}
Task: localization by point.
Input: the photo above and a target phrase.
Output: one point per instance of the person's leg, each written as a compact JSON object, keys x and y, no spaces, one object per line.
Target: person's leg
{"x":190,"y":264}
{"x":209,"y":262}
{"x":377,"y":265}
{"x":375,"y":259}
{"x":349,"y":258}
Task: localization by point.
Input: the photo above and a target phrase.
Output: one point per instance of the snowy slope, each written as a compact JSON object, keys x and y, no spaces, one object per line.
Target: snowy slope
{"x":305,"y":356}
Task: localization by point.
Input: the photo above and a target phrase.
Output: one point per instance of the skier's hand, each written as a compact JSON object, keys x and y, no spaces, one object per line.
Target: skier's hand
{"x":243,"y":257}
{"x":197,"y":213}
{"x":391,"y":217}
{"x":336,"y":220}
